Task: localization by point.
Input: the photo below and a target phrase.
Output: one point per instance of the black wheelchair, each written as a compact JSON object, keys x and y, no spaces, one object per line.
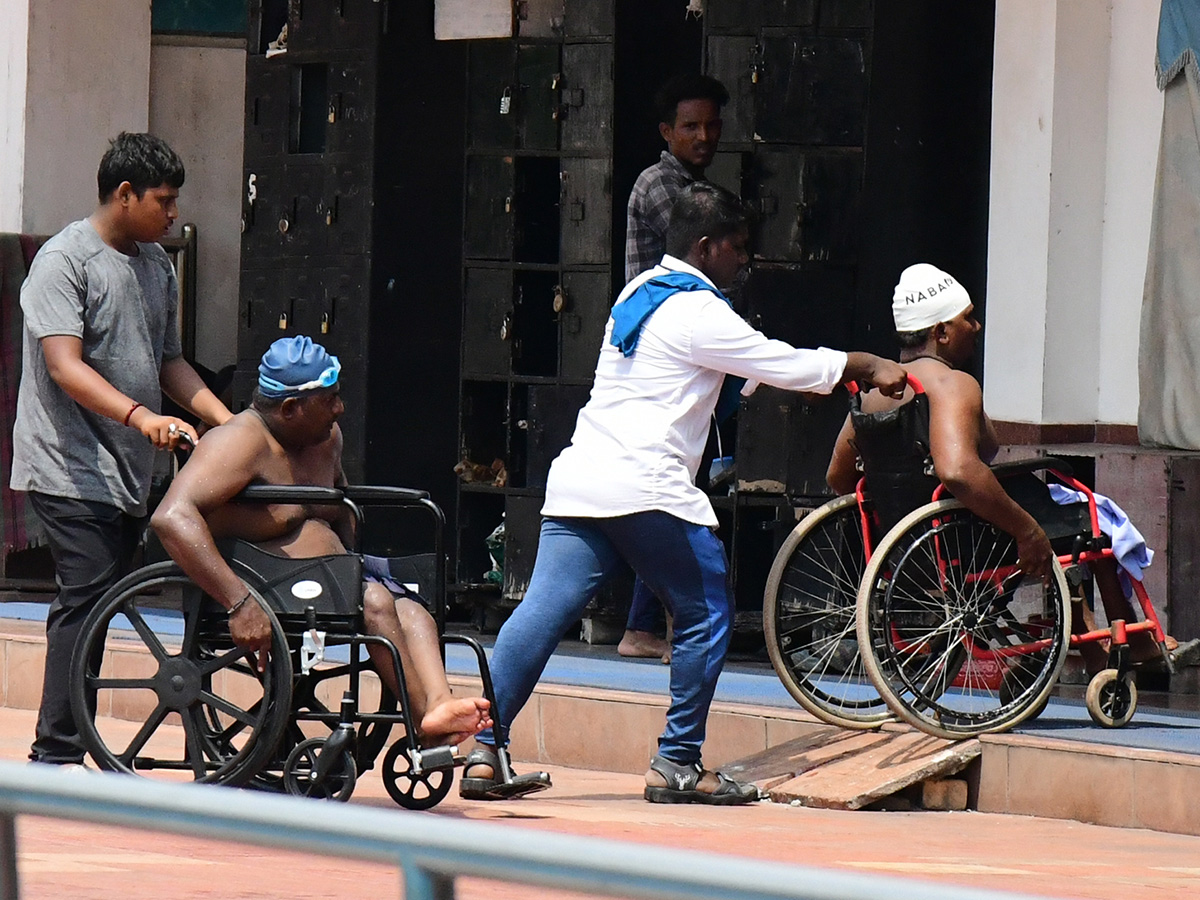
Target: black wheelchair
{"x":159,"y":688}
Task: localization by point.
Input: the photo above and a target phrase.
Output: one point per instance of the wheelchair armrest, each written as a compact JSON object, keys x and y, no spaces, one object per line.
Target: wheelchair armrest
{"x":1018,"y":466}
{"x":290,"y":493}
{"x":384,"y":495}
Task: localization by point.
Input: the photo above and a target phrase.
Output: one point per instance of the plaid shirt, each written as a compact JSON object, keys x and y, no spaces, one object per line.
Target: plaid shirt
{"x":650,"y":211}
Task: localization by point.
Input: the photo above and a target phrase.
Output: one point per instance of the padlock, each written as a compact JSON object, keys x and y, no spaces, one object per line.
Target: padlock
{"x":324,"y":323}
{"x":283,"y":321}
{"x":284,"y":225}
{"x":560,"y":299}
{"x":506,"y":101}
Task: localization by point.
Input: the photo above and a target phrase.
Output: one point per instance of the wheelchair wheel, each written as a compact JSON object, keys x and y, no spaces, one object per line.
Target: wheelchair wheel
{"x":809,"y":617}
{"x":1111,"y":698}
{"x":300,"y":776}
{"x":423,"y":791}
{"x":156,"y":651}
{"x":955,"y":638}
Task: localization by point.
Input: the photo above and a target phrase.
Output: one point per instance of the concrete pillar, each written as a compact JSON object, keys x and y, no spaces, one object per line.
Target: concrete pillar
{"x":1073,"y":149}
{"x":76,"y":73}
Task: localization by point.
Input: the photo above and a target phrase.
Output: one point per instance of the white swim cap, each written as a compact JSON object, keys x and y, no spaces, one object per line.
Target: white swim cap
{"x":926,"y":296}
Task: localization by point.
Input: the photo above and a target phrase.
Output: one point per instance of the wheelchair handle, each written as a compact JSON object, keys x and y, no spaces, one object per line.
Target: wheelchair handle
{"x":384,"y":495}
{"x":1018,"y":466}
{"x":913,"y":381}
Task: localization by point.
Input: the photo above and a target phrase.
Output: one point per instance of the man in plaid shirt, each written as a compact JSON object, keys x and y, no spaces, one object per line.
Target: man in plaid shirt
{"x":689,"y":108}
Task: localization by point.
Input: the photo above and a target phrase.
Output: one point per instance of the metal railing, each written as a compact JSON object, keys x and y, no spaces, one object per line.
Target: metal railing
{"x":430,"y":851}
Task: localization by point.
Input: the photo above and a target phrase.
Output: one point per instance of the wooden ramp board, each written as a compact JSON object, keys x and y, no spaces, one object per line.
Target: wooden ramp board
{"x":840,"y":769}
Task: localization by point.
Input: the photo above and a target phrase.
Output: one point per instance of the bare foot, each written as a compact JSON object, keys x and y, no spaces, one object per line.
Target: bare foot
{"x":643,"y":645}
{"x":455,"y":720}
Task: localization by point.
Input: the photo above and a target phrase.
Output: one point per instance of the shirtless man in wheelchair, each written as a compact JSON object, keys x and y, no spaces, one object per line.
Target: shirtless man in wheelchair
{"x":937,"y":333}
{"x":289,"y":435}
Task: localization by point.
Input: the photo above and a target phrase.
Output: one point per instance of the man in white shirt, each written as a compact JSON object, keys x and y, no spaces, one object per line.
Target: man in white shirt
{"x":625,"y":487}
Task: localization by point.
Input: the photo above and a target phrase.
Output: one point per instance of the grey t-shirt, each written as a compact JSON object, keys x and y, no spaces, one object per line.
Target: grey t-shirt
{"x":124,"y":308}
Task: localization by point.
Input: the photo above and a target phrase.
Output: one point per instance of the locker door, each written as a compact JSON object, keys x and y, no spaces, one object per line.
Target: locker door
{"x":350,"y":120}
{"x":732,"y":15}
{"x":539,"y":18}
{"x":489,"y":209}
{"x":587,"y":211}
{"x":308,"y":24}
{"x":302,"y":222}
{"x":278,"y":302}
{"x":587,"y":98}
{"x":347,"y":208}
{"x":550,"y":422}
{"x":267,"y":86}
{"x":808,"y":205}
{"x":264,"y":208}
{"x":491,"y":95}
{"x":487,"y":323}
{"x":535,"y":325}
{"x":791,"y":13}
{"x":522,"y":524}
{"x":811,"y":306}
{"x":781,"y":436}
{"x":848,"y":14}
{"x":587,"y":299}
{"x":537,"y":100}
{"x":732,"y":60}
{"x":341,"y":318}
{"x":813,"y":90}
{"x":354,"y":24}
{"x":587,"y":18}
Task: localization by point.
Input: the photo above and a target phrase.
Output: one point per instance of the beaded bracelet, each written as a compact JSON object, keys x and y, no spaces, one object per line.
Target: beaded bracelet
{"x":238,"y":605}
{"x":129,"y":415}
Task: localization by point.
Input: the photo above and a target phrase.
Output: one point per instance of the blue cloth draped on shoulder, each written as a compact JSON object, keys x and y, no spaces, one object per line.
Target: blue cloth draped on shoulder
{"x":630,"y":315}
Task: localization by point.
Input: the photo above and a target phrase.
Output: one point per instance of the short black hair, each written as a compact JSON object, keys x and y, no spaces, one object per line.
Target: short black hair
{"x":914,"y":340}
{"x":703,"y":209}
{"x":145,"y":161}
{"x":691,"y":86}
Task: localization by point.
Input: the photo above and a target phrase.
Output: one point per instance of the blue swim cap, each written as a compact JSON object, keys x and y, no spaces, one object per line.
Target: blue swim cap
{"x":293,"y":365}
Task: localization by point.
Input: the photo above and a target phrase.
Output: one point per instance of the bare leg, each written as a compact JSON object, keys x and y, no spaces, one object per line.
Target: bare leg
{"x":1142,"y":646}
{"x":443,"y":718}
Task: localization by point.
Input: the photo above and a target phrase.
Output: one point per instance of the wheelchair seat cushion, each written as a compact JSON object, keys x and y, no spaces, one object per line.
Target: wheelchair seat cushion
{"x":330,"y":585}
{"x":1062,"y":522}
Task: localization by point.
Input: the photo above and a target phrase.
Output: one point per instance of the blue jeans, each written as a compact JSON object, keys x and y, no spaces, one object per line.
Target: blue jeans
{"x":682,"y":563}
{"x":645,"y":612}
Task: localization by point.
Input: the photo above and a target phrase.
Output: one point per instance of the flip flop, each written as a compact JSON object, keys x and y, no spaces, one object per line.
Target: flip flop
{"x":494,"y":787}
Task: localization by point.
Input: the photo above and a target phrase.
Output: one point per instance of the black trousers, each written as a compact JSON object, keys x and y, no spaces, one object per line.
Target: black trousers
{"x":93,"y":545}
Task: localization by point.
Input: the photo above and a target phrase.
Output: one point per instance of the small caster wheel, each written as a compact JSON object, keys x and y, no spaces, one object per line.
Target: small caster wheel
{"x":423,"y":791}
{"x":300,"y":773}
{"x":1111,"y":698}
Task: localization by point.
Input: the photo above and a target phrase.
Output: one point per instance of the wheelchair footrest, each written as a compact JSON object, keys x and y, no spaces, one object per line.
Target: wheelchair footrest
{"x":433,"y":758}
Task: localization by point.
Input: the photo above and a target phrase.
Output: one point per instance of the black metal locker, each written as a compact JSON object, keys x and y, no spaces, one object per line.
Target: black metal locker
{"x":549,"y":424}
{"x":812,"y":90}
{"x":488,"y":232}
{"x":268,"y":91}
{"x":539,"y":18}
{"x":587,"y":98}
{"x":347,"y":207}
{"x":535,"y":325}
{"x":492,"y":95}
{"x":350,"y":103}
{"x":487,"y":323}
{"x":585,"y":305}
{"x":587,"y":18}
{"x":784,"y":442}
{"x":522,"y":524}
{"x":807,"y":306}
{"x":341,"y":315}
{"x":586,"y":211}
{"x":539,"y":76}
{"x":281,"y":301}
{"x":537,"y":193}
{"x":334,"y":25}
{"x":732,"y":60}
{"x":847,"y":14}
{"x":807,"y":204}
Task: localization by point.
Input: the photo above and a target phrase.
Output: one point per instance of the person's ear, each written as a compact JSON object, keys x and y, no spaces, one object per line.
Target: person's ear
{"x":289,"y":408}
{"x":666,"y":129}
{"x":124,"y":193}
{"x":704,"y":247}
{"x":941,"y":333}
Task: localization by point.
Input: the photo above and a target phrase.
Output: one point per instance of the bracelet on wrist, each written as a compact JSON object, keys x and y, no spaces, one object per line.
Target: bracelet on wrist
{"x":238,"y":605}
{"x":129,"y":414}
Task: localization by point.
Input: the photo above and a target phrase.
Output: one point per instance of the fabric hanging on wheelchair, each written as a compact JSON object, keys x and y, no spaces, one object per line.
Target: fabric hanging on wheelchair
{"x":1128,"y":545}
{"x":389,"y":571}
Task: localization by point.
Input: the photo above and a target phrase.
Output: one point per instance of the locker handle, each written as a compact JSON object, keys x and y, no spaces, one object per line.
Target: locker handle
{"x":574,"y":97}
{"x":768,"y":205}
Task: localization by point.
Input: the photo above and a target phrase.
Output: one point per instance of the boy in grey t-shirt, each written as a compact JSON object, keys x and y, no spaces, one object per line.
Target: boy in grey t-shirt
{"x":101,"y":345}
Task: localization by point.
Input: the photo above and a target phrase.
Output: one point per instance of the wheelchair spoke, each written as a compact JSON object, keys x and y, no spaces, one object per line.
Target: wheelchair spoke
{"x":121,"y":684}
{"x":139,"y":740}
{"x":230,"y":709}
{"x":149,"y":638}
{"x":195,"y":754}
{"x":225,"y":660}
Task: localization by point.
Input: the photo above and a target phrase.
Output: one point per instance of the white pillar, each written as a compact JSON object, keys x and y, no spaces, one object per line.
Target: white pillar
{"x":14,"y":42}
{"x":1074,"y":139}
{"x":88,"y":78}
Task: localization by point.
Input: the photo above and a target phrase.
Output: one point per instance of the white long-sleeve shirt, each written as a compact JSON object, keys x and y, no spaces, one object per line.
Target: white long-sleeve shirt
{"x":639,"y":439}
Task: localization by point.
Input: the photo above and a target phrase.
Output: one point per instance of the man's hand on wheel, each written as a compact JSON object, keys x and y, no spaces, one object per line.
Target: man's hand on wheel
{"x":251,"y":630}
{"x":1034,"y":554}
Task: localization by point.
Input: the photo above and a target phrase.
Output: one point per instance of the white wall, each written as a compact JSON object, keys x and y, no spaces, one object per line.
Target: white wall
{"x":14,"y":30}
{"x":197,"y":88}
{"x":89,"y":78}
{"x":1074,"y":143}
